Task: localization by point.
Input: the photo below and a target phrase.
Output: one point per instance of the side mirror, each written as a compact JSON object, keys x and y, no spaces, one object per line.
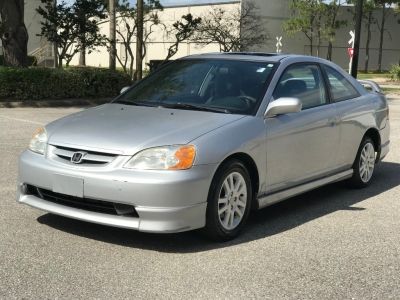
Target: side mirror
{"x":124,"y":89}
{"x":283,"y":106}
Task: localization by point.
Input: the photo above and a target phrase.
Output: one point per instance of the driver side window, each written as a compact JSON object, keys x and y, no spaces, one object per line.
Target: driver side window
{"x":305,"y":82}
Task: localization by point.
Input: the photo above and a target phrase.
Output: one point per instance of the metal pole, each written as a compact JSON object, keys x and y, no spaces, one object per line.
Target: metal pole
{"x":359,"y":12}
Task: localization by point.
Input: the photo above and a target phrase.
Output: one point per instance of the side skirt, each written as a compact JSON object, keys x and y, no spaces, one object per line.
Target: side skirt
{"x":266,"y":200}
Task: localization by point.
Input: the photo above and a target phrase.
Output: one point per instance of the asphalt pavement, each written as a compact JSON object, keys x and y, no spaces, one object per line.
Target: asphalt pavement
{"x":331,"y":243}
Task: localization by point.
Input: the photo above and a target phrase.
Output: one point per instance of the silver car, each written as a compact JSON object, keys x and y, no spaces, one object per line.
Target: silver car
{"x":206,"y":139}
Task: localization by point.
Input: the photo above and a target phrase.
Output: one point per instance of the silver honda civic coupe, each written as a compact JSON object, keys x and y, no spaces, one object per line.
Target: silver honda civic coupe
{"x":206,"y":139}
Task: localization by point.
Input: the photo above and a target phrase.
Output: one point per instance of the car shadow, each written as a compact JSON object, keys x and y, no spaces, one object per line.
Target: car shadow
{"x":262,"y":224}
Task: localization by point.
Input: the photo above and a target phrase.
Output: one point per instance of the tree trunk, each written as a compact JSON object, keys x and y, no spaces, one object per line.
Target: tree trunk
{"x":55,"y":46}
{"x":14,"y":36}
{"x":382,"y":31}
{"x":332,"y":33}
{"x":82,"y":57}
{"x":329,"y":53}
{"x":139,"y":40}
{"x":311,"y":40}
{"x":60,"y":61}
{"x":55,"y":55}
{"x":368,"y":41}
{"x":113,"y":50}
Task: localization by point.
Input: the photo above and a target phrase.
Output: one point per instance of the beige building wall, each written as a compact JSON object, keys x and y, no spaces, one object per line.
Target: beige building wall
{"x":277,"y":12}
{"x":274,"y":14}
{"x":157,"y":47}
{"x":32,"y":23}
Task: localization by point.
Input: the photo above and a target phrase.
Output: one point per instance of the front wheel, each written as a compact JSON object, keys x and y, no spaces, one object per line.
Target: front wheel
{"x":364,"y":164}
{"x":229,"y":201}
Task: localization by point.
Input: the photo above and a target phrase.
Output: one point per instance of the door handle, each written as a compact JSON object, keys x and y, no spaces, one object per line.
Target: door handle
{"x":333,"y":122}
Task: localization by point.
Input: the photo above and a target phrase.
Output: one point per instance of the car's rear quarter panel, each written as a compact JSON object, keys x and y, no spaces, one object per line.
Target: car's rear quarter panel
{"x":356,"y":117}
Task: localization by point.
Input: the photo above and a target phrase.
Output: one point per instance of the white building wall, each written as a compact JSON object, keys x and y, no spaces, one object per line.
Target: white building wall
{"x":157,"y":47}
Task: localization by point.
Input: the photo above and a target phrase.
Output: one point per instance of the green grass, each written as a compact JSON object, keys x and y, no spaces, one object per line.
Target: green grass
{"x":391,"y":90}
{"x":371,"y":75}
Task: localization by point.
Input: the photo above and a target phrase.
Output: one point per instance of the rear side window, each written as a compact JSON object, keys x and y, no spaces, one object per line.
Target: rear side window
{"x":305,"y":82}
{"x":341,"y":89}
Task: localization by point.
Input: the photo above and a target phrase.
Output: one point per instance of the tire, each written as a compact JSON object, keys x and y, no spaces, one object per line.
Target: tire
{"x":364,"y":164}
{"x":228,"y":209}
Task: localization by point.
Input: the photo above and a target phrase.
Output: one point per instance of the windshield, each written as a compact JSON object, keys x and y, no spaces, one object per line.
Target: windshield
{"x":228,"y":86}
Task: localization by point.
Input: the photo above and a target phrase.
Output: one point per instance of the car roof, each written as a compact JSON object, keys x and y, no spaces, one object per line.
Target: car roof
{"x":255,"y":56}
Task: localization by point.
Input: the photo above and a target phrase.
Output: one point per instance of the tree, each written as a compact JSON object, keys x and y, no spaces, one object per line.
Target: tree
{"x":368,"y":20}
{"x":139,"y":40}
{"x":88,"y":13}
{"x":306,"y":17}
{"x":65,"y":26}
{"x":318,"y":20}
{"x":331,"y":23}
{"x":182,"y":30}
{"x":58,"y":27}
{"x":126,"y":30}
{"x":397,"y":13}
{"x":14,"y":36}
{"x":234,"y":30}
{"x":113,"y":49}
{"x":55,"y":47}
{"x":384,"y":5}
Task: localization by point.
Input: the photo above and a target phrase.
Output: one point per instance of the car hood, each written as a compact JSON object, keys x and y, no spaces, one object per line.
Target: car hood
{"x":125,"y":130}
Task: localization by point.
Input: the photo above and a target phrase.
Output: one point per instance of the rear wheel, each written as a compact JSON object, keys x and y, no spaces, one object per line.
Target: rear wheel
{"x":229,"y":201}
{"x":364,"y":165}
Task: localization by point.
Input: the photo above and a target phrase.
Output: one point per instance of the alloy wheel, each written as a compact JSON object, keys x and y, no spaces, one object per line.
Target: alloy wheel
{"x":232,"y":201}
{"x":367,"y":162}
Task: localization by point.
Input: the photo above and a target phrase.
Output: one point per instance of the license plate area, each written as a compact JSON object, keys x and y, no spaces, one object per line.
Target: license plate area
{"x":68,"y":185}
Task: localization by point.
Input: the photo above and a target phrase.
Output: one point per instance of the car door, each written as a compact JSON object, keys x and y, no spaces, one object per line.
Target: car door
{"x":301,"y":146}
{"x":352,"y":113}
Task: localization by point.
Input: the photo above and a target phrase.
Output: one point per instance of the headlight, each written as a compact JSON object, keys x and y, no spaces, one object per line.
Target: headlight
{"x":177,"y":157}
{"x":38,"y":141}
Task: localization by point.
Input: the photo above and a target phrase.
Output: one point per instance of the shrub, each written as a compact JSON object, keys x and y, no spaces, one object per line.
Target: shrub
{"x":44,"y":83}
{"x":395,"y":72}
{"x":32,"y":61}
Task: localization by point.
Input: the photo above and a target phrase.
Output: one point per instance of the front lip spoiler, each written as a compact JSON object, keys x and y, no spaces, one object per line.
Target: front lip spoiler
{"x":79,"y":214}
{"x":151,"y":219}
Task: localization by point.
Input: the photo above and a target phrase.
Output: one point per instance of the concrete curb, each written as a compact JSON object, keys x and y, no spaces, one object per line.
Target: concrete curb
{"x":54,"y":103}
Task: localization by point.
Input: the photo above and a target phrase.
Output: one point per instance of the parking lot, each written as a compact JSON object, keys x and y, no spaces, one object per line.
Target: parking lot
{"x":332,"y":243}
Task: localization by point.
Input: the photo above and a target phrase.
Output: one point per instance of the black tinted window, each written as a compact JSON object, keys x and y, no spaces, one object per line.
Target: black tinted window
{"x":304,"y":82}
{"x":237,"y":86}
{"x":341,"y":89}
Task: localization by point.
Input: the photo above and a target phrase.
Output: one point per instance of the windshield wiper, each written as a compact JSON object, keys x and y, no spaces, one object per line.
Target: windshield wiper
{"x":137,"y":103}
{"x":196,"y":107}
{"x":174,"y":105}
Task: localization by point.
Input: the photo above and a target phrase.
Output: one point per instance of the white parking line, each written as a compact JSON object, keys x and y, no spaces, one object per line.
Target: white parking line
{"x":22,"y":120}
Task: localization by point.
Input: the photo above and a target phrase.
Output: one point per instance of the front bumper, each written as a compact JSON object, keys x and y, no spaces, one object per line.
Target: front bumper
{"x":165,"y":201}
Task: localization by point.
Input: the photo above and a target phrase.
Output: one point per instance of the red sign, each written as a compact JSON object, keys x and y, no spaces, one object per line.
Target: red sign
{"x":350,"y":52}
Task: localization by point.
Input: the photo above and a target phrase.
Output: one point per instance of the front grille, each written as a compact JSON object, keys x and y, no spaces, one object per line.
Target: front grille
{"x":64,"y":154}
{"x":93,"y":205}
